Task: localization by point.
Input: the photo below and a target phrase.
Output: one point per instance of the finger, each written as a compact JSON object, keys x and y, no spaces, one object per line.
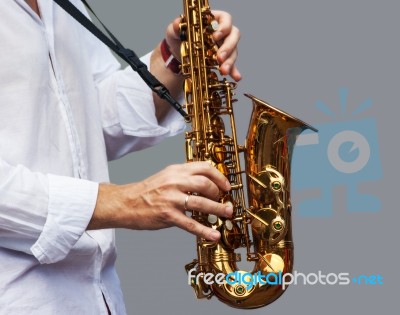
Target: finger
{"x":207,"y":206}
{"x":173,"y":29}
{"x":227,"y":66}
{"x":235,"y":74}
{"x":206,"y":169}
{"x":204,"y":186}
{"x":224,"y":24}
{"x":194,"y":227}
{"x":172,"y":38}
{"x":229,"y":45}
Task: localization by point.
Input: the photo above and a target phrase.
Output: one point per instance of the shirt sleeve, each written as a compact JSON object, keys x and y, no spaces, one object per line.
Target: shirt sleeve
{"x":41,"y":214}
{"x":128,"y":114}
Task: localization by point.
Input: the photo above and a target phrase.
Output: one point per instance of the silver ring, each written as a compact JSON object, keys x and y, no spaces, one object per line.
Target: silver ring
{"x":186,"y":202}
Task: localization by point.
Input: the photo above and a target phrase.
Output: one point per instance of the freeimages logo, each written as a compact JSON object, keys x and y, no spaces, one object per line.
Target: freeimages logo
{"x":343,"y":152}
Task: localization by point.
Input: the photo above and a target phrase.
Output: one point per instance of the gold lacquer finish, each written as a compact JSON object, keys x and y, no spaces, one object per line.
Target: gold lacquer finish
{"x":263,"y":227}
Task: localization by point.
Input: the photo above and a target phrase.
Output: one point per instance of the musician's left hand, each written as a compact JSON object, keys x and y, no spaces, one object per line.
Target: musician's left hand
{"x":227,"y":37}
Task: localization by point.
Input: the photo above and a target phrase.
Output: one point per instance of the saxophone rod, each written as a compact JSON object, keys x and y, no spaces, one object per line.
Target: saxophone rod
{"x":256,"y":217}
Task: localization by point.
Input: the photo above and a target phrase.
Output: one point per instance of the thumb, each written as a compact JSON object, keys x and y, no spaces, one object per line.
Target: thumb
{"x":172,"y":37}
{"x":173,"y":30}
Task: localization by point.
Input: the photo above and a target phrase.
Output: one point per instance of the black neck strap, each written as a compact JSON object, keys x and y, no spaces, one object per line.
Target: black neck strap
{"x":125,"y":53}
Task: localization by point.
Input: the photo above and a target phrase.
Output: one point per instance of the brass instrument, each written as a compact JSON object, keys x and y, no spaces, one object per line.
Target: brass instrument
{"x":263,"y":227}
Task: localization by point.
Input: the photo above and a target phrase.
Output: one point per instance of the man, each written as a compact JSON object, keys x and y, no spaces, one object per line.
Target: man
{"x":65,"y":109}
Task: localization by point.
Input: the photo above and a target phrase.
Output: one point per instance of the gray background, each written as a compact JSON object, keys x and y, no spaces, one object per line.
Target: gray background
{"x":292,"y":53}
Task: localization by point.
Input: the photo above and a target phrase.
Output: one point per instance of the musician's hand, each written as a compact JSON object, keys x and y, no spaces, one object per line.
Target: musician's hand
{"x":227,"y":36}
{"x":159,"y":201}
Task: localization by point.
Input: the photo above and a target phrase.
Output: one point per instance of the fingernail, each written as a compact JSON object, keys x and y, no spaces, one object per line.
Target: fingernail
{"x":214,"y":235}
{"x":228,"y":210}
{"x":228,"y":185}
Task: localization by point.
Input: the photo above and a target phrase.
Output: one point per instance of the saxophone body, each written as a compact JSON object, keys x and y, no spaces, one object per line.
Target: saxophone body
{"x":263,"y":227}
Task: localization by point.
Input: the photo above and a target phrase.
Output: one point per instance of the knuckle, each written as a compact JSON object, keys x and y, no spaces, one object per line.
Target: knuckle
{"x":203,"y":231}
{"x":171,"y":168}
{"x":228,"y":16}
{"x":216,"y":194}
{"x":169,"y":184}
{"x":212,"y":207}
{"x":190,"y":164}
{"x":217,"y":208}
{"x":166,"y":215}
{"x":191,"y":226}
{"x":203,"y":182}
{"x":206,"y":166}
{"x":175,"y":168}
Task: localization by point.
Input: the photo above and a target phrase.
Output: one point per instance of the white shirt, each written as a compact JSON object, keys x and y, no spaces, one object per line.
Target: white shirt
{"x":65,"y":109}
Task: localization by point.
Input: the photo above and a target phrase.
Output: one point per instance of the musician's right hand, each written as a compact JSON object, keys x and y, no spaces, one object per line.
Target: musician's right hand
{"x":159,"y":201}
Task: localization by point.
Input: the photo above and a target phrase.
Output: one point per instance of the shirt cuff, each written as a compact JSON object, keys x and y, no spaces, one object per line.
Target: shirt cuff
{"x":71,"y":205}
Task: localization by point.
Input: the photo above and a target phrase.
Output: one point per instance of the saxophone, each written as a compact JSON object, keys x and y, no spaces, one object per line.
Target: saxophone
{"x":263,"y":227}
